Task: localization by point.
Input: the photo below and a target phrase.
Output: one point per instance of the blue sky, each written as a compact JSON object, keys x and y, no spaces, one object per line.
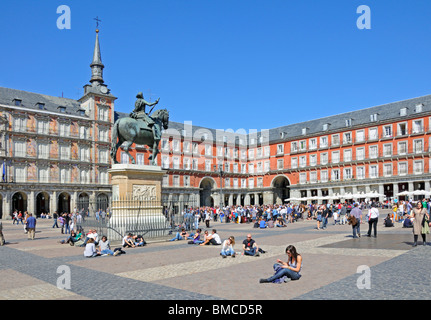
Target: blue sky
{"x":224,"y":64}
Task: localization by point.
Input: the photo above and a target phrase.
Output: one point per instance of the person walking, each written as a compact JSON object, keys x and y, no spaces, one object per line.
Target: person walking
{"x":421,"y":217}
{"x":31,"y":226}
{"x":55,"y":217}
{"x":373,"y":217}
{"x":357,"y":213}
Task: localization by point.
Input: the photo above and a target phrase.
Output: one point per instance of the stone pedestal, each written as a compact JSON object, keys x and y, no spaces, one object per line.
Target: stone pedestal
{"x":136,"y":202}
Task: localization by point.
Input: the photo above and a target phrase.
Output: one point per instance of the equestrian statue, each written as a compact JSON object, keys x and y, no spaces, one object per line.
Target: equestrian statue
{"x":140,"y":127}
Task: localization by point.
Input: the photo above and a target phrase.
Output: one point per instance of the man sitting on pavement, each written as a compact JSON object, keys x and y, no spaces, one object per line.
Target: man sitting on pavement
{"x":213,"y":239}
{"x":250,"y":247}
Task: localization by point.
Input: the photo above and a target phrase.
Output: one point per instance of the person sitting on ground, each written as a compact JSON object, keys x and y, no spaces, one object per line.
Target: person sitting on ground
{"x":280,"y":222}
{"x":139,"y":241}
{"x":262,"y":223}
{"x":213,"y":239}
{"x":128,"y":241}
{"x":388,"y":221}
{"x":290,"y":269}
{"x":90,"y":249}
{"x":227,"y":247}
{"x":105,"y":248}
{"x":92,"y":234}
{"x":73,"y":238}
{"x":180,"y":235}
{"x":196,"y":239}
{"x":407,"y":223}
{"x":250,"y":247}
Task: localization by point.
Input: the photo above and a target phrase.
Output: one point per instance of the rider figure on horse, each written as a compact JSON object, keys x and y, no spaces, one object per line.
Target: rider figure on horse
{"x":139,"y":111}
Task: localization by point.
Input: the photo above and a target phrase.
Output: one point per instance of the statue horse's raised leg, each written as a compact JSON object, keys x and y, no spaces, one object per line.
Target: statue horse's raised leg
{"x":126,"y":149}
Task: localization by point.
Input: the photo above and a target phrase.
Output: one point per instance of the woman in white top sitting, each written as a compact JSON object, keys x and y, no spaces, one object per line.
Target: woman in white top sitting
{"x":90,"y":249}
{"x":227,"y":247}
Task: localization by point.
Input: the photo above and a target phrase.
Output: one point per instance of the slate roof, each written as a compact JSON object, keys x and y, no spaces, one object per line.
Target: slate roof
{"x":29,"y":100}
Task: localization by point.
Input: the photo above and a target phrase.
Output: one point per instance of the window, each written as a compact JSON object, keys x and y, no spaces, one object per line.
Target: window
{"x":325,"y":126}
{"x":266,"y":166}
{"x":372,"y":134}
{"x":195,"y":164}
{"x":62,"y":109}
{"x":65,"y":151}
{"x":176,"y":181}
{"x":348,"y":122}
{"x":186,"y":163}
{"x":165,"y":181}
{"x":324,"y":176}
{"x":251,"y":154}
{"x":313,"y":159}
{"x":302,"y":145}
{"x":313,"y":177}
{"x":335,"y":174}
{"x":418,"y":167}
{"x":324,"y":158}
{"x":103,"y":156}
{"x":259,"y":182}
{"x":103,"y":134}
{"x":335,"y":156}
{"x":186,"y":181}
{"x":417,"y":126}
{"x":418,"y":146}
{"x":19,"y":124}
{"x":335,"y":140}
{"x":302,"y":161}
{"x":208,"y":165}
{"x":347,"y":137}
{"x":373,"y":152}
{"x":251,"y":183}
{"x":43,"y":150}
{"x":374,"y":171}
{"x":373,"y":117}
{"x":103,"y":177}
{"x":347,"y":155}
{"x":402,"y":168}
{"x":313,"y":144}
{"x":347,"y":174}
{"x":20,"y":149}
{"x":419,"y":108}
{"x":280,"y":164}
{"x":387,"y":169}
{"x":387,"y":150}
{"x":19,"y":174}
{"x":165,"y":145}
{"x":360,"y":172}
{"x":294,"y":163}
{"x":323,"y":142}
{"x":64,"y":175}
{"x":402,"y":147}
{"x":42,"y":126}
{"x":103,"y":113}
{"x":360,"y":136}
{"x":304,"y":131}
{"x":243,"y":183}
{"x":64,"y":130}
{"x":176,"y":145}
{"x":17,"y":102}
{"x":140,"y":159}
{"x":84,"y":132}
{"x":124,"y":158}
{"x":360,"y":153}
{"x":165,"y":162}
{"x":43,"y":175}
{"x":208,"y":149}
{"x":302,"y":178}
{"x":85,"y":176}
{"x":387,"y":131}
{"x":186,"y":146}
{"x":235,"y":183}
{"x":293,"y":147}
{"x":280,"y":149}
{"x":235,"y":168}
{"x":403,"y":111}
{"x":402,"y":129}
{"x":250,"y":168}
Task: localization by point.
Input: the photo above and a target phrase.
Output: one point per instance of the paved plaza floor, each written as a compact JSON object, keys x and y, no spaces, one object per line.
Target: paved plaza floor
{"x":335,"y":266}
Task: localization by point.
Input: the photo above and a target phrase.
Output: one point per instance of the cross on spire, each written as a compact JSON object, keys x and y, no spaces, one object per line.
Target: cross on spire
{"x":97,"y":22}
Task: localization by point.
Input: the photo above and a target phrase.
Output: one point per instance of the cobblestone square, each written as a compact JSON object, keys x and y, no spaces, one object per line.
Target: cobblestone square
{"x":179,"y":271}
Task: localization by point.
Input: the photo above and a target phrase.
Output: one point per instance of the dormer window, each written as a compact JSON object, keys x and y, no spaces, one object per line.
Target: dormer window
{"x":62,"y":109}
{"x":403,"y":111}
{"x":82,"y":113}
{"x":40,"y":106}
{"x":17,"y":102}
{"x":419,"y":108}
{"x":373,"y":117}
{"x":326,"y":127}
{"x":304,"y":131}
{"x":348,"y":122}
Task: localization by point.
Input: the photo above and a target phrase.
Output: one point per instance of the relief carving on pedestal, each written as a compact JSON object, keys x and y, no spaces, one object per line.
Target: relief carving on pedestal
{"x":144,"y":192}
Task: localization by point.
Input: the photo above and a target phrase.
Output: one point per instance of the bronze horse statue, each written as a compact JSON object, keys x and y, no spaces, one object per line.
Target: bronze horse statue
{"x":132,"y":130}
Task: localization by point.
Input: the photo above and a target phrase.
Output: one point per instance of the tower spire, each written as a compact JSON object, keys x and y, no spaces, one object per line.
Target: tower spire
{"x":97,"y":65}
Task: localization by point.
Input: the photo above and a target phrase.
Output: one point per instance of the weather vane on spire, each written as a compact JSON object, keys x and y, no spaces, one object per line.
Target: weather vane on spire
{"x":97,"y":23}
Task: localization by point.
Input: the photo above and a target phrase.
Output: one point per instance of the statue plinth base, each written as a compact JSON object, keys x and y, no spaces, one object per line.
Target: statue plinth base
{"x":136,"y":202}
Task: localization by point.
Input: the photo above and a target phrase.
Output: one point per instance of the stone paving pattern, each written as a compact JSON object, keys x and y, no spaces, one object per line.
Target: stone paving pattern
{"x":178,"y":271}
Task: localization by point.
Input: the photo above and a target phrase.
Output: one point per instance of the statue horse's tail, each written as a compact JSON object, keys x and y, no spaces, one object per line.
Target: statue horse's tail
{"x":114,"y":140}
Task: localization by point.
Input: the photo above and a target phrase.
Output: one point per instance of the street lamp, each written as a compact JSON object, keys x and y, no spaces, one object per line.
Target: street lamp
{"x":220,"y":172}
